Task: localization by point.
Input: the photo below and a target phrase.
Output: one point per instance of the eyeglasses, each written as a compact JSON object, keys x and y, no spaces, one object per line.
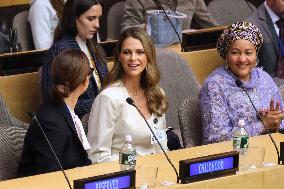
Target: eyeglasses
{"x":91,"y":71}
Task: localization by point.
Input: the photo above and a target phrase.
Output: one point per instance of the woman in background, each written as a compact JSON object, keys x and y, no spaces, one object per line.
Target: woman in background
{"x":77,"y":30}
{"x":223,"y":102}
{"x":70,"y":72}
{"x":134,"y":75}
{"x":44,"y":16}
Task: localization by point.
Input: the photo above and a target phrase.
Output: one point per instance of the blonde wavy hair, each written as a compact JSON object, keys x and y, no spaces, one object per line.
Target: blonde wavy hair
{"x":150,"y":78}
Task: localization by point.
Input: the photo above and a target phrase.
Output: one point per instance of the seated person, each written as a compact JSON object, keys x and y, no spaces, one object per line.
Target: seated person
{"x":80,"y":23}
{"x":70,"y":72}
{"x":223,"y":103}
{"x":135,"y":12}
{"x":268,"y":18}
{"x":43,"y":18}
{"x":135,"y":74}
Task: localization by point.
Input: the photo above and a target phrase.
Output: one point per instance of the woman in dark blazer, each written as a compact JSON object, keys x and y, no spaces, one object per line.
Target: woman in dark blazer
{"x":78,"y":30}
{"x":70,"y":73}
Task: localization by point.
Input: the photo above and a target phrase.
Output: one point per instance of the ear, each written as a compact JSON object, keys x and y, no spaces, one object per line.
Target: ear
{"x":86,"y":82}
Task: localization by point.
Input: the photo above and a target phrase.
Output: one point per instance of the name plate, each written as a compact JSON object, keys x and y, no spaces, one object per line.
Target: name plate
{"x":208,"y":167}
{"x":117,"y":180}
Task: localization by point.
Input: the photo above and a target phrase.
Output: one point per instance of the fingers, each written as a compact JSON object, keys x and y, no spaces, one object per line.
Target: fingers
{"x":277,"y":105}
{"x":272,"y":104}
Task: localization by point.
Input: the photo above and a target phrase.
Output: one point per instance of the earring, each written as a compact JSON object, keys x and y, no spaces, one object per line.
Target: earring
{"x":226,"y":65}
{"x":257,"y":61}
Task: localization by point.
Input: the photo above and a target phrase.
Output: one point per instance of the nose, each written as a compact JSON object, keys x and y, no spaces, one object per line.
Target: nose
{"x":242,"y":58}
{"x":133,"y":56}
{"x":96,"y":23}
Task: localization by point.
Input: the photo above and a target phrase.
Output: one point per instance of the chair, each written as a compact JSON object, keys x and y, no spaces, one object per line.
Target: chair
{"x":178,"y":82}
{"x":20,"y":22}
{"x":226,"y":12}
{"x":190,"y":122}
{"x":12,"y":134}
{"x":114,"y":19}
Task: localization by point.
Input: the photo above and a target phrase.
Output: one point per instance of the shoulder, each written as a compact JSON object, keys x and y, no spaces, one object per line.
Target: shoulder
{"x":49,"y":111}
{"x":41,"y":6}
{"x":66,"y":42}
{"x":216,"y":76}
{"x":114,"y":91}
{"x":263,"y":75}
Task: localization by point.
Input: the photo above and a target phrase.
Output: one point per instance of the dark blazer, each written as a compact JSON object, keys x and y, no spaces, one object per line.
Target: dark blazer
{"x":269,"y":52}
{"x":58,"y":125}
{"x":85,"y":101}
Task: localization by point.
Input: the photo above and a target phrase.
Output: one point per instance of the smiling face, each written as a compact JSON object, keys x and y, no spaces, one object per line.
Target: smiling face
{"x":88,"y":23}
{"x":133,"y":58}
{"x":241,"y":58}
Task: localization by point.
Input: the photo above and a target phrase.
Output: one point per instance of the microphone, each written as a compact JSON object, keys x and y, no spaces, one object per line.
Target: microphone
{"x":131,"y":102}
{"x":239,"y":83}
{"x":157,"y":2}
{"x":34,"y":118}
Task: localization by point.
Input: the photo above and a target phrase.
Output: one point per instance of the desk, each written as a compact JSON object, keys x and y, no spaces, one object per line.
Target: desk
{"x":21,"y":62}
{"x":7,"y":3}
{"x":261,"y":178}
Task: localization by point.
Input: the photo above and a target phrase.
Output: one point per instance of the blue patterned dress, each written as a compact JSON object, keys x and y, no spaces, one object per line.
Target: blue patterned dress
{"x":222,"y":103}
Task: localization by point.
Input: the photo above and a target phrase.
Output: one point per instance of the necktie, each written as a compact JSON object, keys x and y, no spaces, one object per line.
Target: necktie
{"x":280,"y":65}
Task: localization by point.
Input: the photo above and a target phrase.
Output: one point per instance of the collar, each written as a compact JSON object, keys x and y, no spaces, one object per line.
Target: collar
{"x":272,"y":15}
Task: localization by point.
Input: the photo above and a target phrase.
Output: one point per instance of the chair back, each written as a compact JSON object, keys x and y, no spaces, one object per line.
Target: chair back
{"x":12,"y":134}
{"x":20,"y":22}
{"x":226,"y":12}
{"x":178,"y":82}
{"x":11,"y":142}
{"x":190,"y":122}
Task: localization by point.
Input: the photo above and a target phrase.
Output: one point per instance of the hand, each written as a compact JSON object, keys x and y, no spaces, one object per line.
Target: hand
{"x":273,"y":116}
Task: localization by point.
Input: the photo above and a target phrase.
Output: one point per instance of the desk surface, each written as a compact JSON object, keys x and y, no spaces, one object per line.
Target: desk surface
{"x":7,"y":3}
{"x":259,"y":178}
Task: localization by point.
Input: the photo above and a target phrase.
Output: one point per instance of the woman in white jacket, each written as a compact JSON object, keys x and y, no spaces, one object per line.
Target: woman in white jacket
{"x":44,"y":17}
{"x":134,"y":75}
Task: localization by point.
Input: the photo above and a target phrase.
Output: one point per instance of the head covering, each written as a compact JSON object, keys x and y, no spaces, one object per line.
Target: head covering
{"x":239,"y":30}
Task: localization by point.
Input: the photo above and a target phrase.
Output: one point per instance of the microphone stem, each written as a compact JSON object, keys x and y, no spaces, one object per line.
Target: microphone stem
{"x":158,"y":142}
{"x":34,"y":118}
{"x":260,"y":118}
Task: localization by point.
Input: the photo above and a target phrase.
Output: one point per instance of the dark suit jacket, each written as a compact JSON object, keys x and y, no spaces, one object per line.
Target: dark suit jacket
{"x":268,"y":55}
{"x":85,"y":101}
{"x":58,"y":125}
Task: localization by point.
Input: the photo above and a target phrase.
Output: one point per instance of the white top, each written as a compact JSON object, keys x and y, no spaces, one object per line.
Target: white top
{"x":273,"y":17}
{"x":111,"y":119}
{"x":43,"y":20}
{"x":83,"y":46}
{"x":80,"y":130}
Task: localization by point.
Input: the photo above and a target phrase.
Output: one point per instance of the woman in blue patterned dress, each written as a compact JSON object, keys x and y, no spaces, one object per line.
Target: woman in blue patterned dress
{"x":223,"y":102}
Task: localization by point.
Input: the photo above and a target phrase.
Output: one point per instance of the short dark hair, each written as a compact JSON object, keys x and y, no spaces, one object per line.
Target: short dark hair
{"x":69,"y":69}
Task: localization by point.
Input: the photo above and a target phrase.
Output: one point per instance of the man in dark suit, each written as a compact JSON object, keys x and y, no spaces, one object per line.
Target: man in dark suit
{"x":265,"y":19}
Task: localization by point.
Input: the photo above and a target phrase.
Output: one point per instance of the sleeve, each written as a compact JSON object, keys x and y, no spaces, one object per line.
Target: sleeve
{"x":40,"y":18}
{"x":164,"y":127}
{"x":215,"y":118}
{"x":46,"y":80}
{"x":101,"y":128}
{"x":55,"y":132}
{"x":278,"y":97}
{"x":83,"y":106}
{"x":134,"y":14}
{"x":202,"y":17}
